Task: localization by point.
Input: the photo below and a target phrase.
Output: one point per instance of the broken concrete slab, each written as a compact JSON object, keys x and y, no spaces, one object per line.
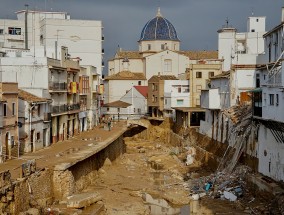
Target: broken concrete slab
{"x":83,"y":199}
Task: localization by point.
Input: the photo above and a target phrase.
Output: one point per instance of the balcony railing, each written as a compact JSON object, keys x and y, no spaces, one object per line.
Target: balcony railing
{"x":65,"y":108}
{"x":73,"y":107}
{"x":58,"y":86}
{"x":59,"y":109}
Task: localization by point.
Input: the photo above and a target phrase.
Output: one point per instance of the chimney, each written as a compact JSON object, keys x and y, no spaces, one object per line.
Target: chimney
{"x":282,"y":15}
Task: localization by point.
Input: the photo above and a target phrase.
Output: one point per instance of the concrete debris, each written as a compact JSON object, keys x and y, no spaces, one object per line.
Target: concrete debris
{"x":220,"y":185}
{"x":83,"y":200}
{"x":191,"y":152}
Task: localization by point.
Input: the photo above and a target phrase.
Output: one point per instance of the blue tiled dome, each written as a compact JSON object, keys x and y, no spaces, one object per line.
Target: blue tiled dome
{"x":158,"y":28}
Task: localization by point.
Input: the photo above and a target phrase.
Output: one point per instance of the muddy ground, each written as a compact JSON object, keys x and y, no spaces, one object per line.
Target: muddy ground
{"x":152,"y":168}
{"x":152,"y":177}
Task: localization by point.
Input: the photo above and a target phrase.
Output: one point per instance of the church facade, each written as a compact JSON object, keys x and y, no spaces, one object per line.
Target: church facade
{"x":158,"y":54}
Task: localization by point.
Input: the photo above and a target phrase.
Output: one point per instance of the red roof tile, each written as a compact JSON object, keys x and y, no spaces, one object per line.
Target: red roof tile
{"x":143,"y":90}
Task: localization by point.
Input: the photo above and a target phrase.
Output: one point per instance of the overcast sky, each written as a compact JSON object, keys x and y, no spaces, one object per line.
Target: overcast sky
{"x":196,"y":21}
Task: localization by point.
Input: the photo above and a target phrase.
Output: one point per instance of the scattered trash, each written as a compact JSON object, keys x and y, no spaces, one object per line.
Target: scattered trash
{"x":220,"y":185}
{"x":230,"y":196}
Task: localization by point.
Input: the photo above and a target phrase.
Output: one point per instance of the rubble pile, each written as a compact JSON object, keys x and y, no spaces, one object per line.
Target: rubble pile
{"x":220,"y":185}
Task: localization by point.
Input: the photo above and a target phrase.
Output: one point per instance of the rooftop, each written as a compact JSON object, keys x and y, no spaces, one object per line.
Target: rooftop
{"x":30,"y":98}
{"x":126,"y":75}
{"x":117,"y":104}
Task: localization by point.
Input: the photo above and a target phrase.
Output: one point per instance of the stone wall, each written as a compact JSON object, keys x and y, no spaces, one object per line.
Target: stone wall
{"x":45,"y":186}
{"x":32,"y":191}
{"x":82,"y":174}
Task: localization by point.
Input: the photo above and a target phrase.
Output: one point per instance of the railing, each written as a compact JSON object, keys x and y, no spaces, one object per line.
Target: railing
{"x":58,"y":86}
{"x":59,"y":108}
{"x":64,"y":108}
{"x":73,"y":107}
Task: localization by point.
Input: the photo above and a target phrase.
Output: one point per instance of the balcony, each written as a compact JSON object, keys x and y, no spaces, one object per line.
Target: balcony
{"x":56,"y":109}
{"x":58,"y":87}
{"x":73,"y":108}
{"x":210,"y":99}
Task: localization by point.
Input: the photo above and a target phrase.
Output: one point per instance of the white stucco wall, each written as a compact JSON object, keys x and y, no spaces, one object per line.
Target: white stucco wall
{"x":271,"y":160}
{"x":28,"y":72}
{"x":172,"y":95}
{"x":115,"y":89}
{"x":155,"y":64}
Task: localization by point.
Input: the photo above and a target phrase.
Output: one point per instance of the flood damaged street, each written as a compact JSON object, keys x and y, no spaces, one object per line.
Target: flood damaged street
{"x":156,"y":177}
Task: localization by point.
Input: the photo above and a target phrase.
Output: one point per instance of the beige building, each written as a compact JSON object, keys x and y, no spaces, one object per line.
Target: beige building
{"x":199,"y":74}
{"x":156,"y":94}
{"x":9,"y":122}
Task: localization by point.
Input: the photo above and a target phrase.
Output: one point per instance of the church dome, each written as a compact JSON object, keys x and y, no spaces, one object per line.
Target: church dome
{"x":158,"y":28}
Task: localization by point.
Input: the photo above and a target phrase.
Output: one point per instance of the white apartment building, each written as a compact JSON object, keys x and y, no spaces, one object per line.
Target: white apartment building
{"x":176,"y":94}
{"x":240,"y":51}
{"x":34,"y":118}
{"x":44,"y":33}
{"x":48,"y":78}
{"x":268,"y":106}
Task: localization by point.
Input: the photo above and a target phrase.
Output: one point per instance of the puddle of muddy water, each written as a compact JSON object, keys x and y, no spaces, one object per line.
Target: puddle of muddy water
{"x":162,"y":207}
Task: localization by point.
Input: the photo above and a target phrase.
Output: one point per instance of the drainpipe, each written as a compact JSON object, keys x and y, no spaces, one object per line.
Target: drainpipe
{"x":26,"y":26}
{"x":30,"y":113}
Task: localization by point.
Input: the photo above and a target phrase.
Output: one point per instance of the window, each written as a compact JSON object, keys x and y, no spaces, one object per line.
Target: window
{"x":252,"y":30}
{"x":13,"y":109}
{"x":166,"y":101}
{"x":179,"y":89}
{"x":153,"y":98}
{"x":256,"y":20}
{"x":38,"y":136}
{"x":139,"y":83}
{"x":211,"y":74}
{"x":153,"y":87}
{"x":118,"y":110}
{"x":5,"y":109}
{"x":277,"y":99}
{"x":271,"y":99}
{"x":257,"y":83}
{"x":1,"y":31}
{"x":198,"y":74}
{"x":198,"y":88}
{"x":139,"y":110}
{"x":149,"y":46}
{"x":107,"y":109}
{"x":179,"y":101}
{"x":14,"y":31}
{"x":163,"y":46}
{"x":168,"y":65}
{"x":269,"y":52}
{"x":134,"y":110}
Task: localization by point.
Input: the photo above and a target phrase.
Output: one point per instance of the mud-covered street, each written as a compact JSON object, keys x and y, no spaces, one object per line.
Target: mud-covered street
{"x":156,"y":177}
